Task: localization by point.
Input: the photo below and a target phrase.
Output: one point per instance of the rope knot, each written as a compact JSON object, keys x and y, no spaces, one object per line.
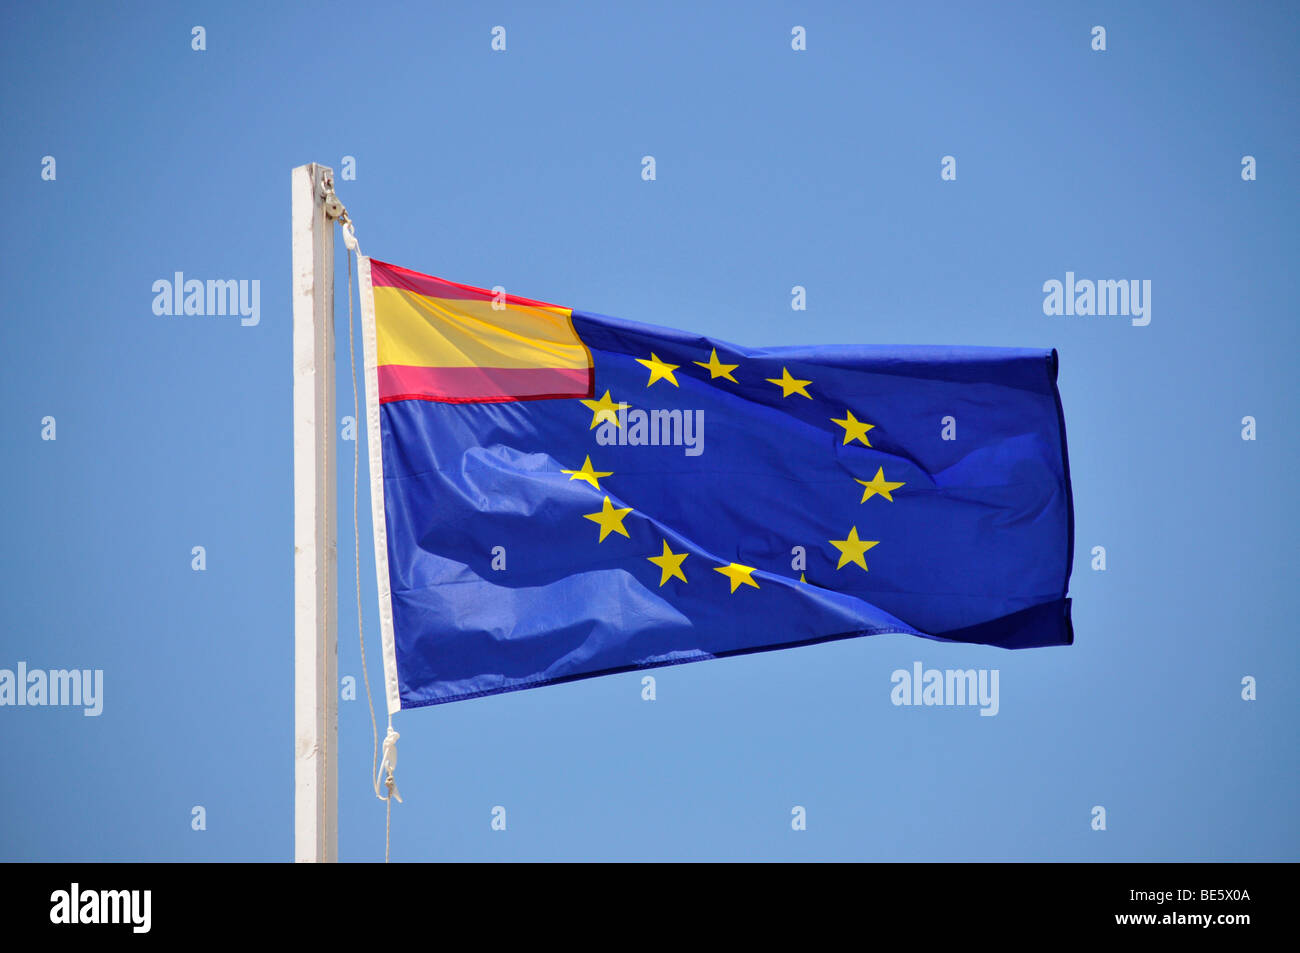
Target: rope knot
{"x":388,"y":766}
{"x":350,"y":240}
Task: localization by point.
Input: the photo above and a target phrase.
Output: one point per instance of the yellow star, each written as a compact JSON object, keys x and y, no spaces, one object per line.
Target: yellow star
{"x":588,"y":474}
{"x":717,"y":369}
{"x":659,"y":370}
{"x":878,"y":484}
{"x":737,"y":574}
{"x":854,"y":429}
{"x":852,"y":549}
{"x":801,"y":578}
{"x":789,"y":385}
{"x":610,"y":520}
{"x":603,"y":409}
{"x":670,"y":564}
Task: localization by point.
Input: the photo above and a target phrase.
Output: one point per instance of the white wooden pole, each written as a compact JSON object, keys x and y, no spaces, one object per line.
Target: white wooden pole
{"x":315,"y":554}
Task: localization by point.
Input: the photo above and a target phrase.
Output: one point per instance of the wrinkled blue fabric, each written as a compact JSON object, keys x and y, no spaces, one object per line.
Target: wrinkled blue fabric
{"x":975,"y":547}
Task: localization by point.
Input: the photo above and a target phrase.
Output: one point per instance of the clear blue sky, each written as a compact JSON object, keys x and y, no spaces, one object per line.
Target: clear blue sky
{"x":775,"y":168}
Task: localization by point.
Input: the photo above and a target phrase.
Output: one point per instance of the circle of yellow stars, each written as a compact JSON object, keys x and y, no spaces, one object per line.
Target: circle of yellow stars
{"x":609,"y":518}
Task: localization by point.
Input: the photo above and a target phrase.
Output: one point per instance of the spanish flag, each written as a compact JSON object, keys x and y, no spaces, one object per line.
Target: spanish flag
{"x":442,"y":341}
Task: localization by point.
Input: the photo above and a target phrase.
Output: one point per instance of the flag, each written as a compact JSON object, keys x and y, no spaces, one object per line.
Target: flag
{"x":559,"y":494}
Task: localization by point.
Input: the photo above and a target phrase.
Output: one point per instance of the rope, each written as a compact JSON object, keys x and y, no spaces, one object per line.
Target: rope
{"x":390,"y":762}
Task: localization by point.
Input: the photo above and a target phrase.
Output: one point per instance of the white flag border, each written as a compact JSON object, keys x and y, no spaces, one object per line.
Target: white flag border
{"x":374,"y":452}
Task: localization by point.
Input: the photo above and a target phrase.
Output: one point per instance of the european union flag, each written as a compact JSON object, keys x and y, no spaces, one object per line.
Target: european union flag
{"x":561,"y":494}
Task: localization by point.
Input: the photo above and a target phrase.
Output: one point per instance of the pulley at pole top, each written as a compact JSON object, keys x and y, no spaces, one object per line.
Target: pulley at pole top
{"x":335,"y":210}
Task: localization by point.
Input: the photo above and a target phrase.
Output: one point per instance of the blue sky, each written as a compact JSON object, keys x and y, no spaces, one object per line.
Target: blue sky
{"x":775,"y":168}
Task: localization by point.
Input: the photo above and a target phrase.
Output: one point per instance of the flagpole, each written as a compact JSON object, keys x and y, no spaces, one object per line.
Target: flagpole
{"x":315,"y":560}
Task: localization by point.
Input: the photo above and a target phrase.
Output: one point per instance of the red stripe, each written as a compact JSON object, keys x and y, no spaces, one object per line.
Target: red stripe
{"x":486,"y":384}
{"x":384,"y":275}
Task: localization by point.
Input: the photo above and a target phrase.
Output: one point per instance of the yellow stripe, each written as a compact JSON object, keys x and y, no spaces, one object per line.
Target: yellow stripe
{"x":423,"y":331}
